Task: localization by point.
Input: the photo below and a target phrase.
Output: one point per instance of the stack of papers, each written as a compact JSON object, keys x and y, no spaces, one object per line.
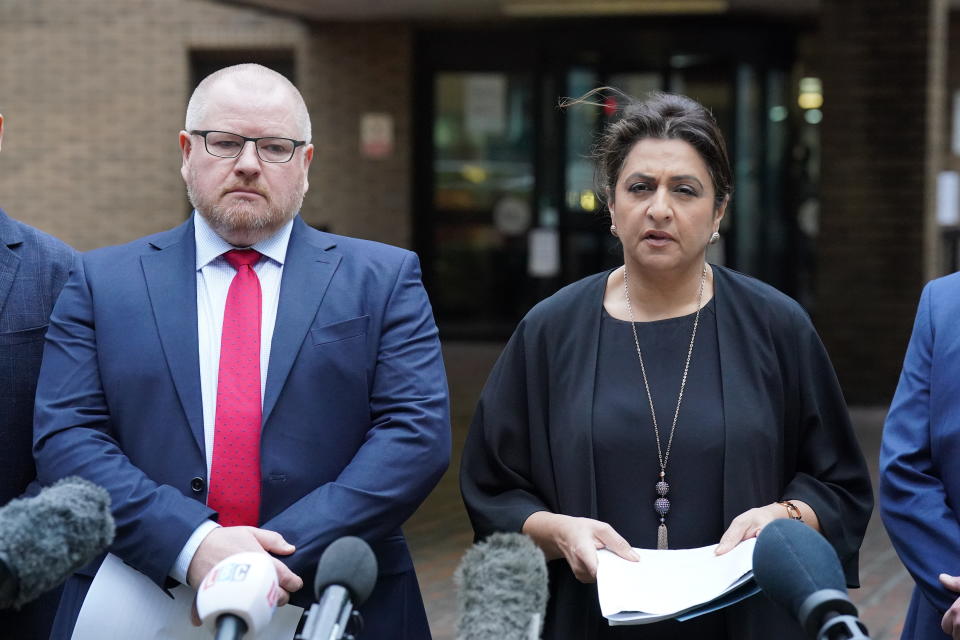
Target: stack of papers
{"x":681,"y":583}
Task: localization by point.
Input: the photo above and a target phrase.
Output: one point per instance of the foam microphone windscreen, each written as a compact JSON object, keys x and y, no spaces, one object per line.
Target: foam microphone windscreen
{"x":45,"y":538}
{"x":791,"y":561}
{"x":348,"y":562}
{"x":502,"y":589}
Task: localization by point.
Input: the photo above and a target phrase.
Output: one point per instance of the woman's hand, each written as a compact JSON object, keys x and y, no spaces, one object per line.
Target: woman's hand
{"x":576,"y":540}
{"x":749,"y":523}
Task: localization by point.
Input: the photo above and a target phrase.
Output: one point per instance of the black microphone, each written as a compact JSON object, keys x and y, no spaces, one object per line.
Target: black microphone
{"x":346,"y":575}
{"x":798,"y":569}
{"x":502,"y":589}
{"x":44,"y":539}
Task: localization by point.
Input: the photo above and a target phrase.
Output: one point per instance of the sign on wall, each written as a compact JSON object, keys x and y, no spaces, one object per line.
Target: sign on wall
{"x":376,"y":135}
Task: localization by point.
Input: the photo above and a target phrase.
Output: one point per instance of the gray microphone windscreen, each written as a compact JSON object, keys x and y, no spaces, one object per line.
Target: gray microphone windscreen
{"x":350,"y":563}
{"x":502,"y":589}
{"x":45,"y":538}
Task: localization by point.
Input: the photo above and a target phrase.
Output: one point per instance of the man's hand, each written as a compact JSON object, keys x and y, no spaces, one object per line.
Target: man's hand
{"x":226,"y":541}
{"x":950,"y":623}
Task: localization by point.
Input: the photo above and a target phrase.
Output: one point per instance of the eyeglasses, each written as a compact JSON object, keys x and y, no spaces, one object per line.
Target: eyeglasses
{"x":230,"y":145}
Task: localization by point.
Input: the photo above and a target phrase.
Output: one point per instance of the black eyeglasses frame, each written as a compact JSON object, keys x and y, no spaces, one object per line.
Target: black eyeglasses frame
{"x":204,"y":132}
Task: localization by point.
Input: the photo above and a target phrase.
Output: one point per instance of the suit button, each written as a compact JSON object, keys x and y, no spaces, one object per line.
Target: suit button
{"x":197,"y":484}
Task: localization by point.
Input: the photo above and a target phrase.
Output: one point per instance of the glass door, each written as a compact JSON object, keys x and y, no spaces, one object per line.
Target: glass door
{"x":483,"y":185}
{"x":506,"y":210}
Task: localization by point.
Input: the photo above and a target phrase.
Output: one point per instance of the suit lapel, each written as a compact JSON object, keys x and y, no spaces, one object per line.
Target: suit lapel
{"x":9,"y":261}
{"x":307,"y":272}
{"x":171,"y":279}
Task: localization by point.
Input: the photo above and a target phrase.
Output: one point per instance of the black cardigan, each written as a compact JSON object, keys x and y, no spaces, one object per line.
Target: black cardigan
{"x":788,"y":433}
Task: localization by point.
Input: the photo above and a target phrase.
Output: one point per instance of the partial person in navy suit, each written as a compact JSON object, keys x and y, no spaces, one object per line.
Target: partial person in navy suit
{"x":352,"y":418}
{"x":33,"y":268}
{"x":920,"y":465}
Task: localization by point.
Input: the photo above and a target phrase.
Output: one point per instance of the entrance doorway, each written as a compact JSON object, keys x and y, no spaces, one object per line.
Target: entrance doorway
{"x":505,"y":207}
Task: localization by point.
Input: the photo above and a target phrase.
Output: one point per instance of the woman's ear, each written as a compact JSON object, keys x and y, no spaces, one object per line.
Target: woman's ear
{"x":720,"y":212}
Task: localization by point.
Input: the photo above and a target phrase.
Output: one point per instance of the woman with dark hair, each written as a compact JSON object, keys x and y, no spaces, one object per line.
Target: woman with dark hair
{"x":667,"y":403}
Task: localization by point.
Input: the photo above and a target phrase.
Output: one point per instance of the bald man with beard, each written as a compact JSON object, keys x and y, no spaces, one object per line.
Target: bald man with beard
{"x":244,"y":382}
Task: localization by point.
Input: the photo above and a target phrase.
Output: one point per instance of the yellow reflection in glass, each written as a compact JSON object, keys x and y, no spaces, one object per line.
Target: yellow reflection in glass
{"x":811,"y":93}
{"x":810,"y":100}
{"x":588,"y":201}
{"x":474,"y":173}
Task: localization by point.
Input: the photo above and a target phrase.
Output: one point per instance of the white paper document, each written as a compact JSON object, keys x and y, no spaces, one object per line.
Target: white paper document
{"x":667,"y":583}
{"x":122,"y":603}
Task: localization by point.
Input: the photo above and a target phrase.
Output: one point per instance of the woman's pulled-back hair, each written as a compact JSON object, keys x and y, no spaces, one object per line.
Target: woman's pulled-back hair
{"x":664,"y":116}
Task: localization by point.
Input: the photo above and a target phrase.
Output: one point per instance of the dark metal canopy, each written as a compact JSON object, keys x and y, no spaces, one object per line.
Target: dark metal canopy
{"x":432,"y":10}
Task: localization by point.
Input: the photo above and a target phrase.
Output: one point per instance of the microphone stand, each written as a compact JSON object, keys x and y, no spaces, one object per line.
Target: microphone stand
{"x":333,"y":615}
{"x":230,"y":628}
{"x":838,"y":613}
{"x":842,"y":627}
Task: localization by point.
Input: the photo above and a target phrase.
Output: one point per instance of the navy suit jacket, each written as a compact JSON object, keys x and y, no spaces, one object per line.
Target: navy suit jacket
{"x":920,"y":458}
{"x":355,"y":416}
{"x":33,"y":269}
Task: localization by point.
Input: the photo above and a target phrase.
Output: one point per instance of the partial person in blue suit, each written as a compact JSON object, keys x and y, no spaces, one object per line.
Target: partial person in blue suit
{"x":355,"y":420}
{"x":33,"y":268}
{"x":920,"y":464}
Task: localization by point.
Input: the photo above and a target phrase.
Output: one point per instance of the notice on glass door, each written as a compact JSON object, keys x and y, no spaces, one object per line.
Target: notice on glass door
{"x":485,"y":104}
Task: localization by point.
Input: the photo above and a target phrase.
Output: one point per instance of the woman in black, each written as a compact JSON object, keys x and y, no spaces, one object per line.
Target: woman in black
{"x":667,"y":402}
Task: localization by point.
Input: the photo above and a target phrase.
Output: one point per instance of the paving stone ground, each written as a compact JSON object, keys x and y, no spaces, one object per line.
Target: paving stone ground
{"x":439,"y":532}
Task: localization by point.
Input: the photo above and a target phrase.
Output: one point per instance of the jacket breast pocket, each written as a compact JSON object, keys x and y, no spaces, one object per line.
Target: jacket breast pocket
{"x":340,"y":331}
{"x":23,"y":336}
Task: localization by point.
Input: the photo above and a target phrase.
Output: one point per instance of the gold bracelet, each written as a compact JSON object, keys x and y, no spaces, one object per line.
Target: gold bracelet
{"x":792,"y":511}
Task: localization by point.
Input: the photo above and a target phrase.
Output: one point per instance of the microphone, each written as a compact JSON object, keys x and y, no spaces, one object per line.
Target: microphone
{"x":798,"y":569}
{"x":346,"y":575}
{"x":239,"y":595}
{"x":502,"y":589}
{"x":45,"y":538}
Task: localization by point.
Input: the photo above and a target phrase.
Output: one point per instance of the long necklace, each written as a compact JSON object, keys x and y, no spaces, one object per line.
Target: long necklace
{"x":662,"y":504}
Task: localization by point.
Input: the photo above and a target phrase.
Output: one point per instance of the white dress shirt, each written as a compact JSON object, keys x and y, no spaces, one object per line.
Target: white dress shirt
{"x":214,"y":275}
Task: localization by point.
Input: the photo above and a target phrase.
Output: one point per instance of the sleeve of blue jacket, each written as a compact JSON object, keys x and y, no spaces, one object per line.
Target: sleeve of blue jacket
{"x":914,"y":501}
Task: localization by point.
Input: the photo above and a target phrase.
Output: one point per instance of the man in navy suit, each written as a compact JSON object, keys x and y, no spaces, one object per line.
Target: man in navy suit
{"x":33,"y":268}
{"x":920,"y":465}
{"x":145,"y":387}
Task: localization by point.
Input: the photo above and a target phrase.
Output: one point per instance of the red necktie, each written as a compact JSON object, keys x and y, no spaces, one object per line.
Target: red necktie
{"x":235,"y":470}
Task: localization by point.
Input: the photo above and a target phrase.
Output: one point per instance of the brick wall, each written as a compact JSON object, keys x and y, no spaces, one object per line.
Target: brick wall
{"x":94,"y":92}
{"x":350,"y":70}
{"x":883,"y":72}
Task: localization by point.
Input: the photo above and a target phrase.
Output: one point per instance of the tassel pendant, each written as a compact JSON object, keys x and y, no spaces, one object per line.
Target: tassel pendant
{"x":662,"y":506}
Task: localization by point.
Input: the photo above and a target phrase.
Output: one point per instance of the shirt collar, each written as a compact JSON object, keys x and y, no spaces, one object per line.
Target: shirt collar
{"x":210,"y":246}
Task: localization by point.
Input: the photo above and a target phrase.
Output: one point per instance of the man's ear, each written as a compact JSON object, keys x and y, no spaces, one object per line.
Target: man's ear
{"x":186,"y":147}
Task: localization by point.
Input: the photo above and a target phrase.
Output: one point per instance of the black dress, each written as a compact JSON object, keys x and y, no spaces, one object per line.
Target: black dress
{"x":625,"y":448}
